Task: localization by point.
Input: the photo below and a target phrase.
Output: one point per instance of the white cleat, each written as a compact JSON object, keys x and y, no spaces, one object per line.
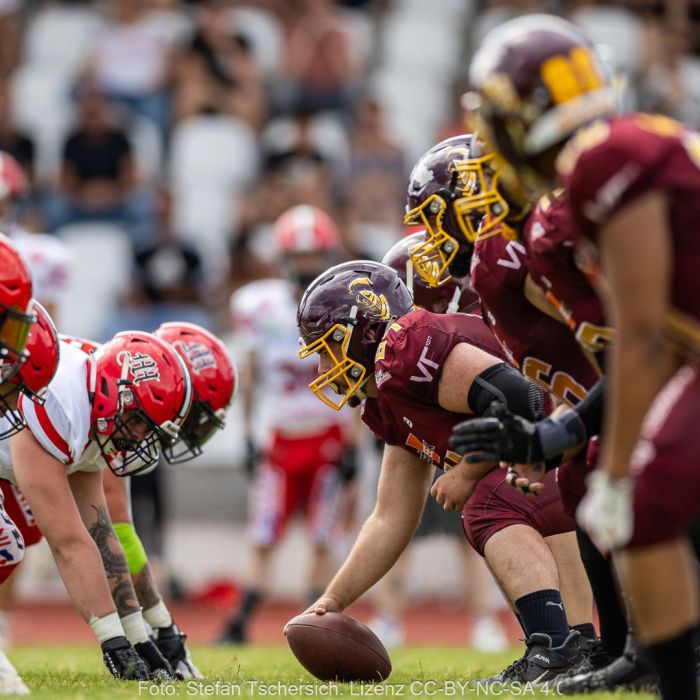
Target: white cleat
{"x":488,"y":635}
{"x":10,"y":681}
{"x":391,"y":633}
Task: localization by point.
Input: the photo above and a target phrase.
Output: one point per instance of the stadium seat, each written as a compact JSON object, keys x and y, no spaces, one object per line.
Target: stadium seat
{"x":60,"y":36}
{"x":101,"y":255}
{"x":265,"y":35}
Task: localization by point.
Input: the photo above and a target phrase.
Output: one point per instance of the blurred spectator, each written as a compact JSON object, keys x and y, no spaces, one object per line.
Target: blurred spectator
{"x":320,"y":68}
{"x":97,"y":179}
{"x":13,"y":140}
{"x":131,"y":62}
{"x":375,"y":189}
{"x":217,"y":70}
{"x":670,"y":82}
{"x":10,"y":35}
{"x":168,"y":279}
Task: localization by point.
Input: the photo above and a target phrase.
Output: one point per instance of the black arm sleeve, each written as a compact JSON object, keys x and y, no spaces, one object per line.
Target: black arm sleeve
{"x":504,"y":384}
{"x":590,"y":409}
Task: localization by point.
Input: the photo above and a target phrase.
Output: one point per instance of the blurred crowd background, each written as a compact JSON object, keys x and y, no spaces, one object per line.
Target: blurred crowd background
{"x":162,"y":138}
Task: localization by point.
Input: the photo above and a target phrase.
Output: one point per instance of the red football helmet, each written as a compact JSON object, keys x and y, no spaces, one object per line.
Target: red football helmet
{"x":305,"y":229}
{"x":539,"y":80}
{"x":43,"y":350}
{"x":450,"y":296}
{"x":214,"y":382}
{"x":13,"y":187}
{"x":141,"y":393}
{"x":16,"y":315}
{"x":343,"y":315}
{"x":306,"y":240}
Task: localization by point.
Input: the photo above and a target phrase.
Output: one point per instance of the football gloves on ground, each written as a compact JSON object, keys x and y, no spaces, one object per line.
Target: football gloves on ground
{"x":122,"y":661}
{"x":171,"y":643}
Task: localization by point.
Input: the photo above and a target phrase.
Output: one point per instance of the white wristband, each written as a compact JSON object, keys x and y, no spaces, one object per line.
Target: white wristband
{"x":107,"y":627}
{"x":134,"y":628}
{"x":158,"y":615}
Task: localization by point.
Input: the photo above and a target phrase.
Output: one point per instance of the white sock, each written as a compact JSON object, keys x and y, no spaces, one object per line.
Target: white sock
{"x":106,"y":627}
{"x":134,"y":628}
{"x":158,"y":615}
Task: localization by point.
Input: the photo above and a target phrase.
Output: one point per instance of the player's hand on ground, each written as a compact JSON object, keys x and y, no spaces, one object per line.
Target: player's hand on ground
{"x":171,"y":644}
{"x":606,"y":510}
{"x":453,"y":489}
{"x":122,"y":661}
{"x":324,"y":604}
{"x":158,"y":666}
{"x":499,"y":436}
{"x":528,"y":478}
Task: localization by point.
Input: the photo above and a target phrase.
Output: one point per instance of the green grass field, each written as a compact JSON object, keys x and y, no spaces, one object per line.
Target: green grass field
{"x":76,"y":672}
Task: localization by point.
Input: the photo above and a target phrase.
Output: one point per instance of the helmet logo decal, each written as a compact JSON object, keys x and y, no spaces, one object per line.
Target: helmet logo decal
{"x":375,"y":304}
{"x":141,"y":367}
{"x":199,"y":356}
{"x":421,"y":176}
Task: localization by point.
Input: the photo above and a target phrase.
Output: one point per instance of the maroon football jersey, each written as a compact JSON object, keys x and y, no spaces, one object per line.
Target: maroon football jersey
{"x":610,"y":164}
{"x":409,"y":364}
{"x":550,"y":238}
{"x":542,"y":348}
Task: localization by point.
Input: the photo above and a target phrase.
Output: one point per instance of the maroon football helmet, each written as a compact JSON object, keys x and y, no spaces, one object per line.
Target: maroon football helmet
{"x":539,"y":80}
{"x":449,"y":296}
{"x":433,"y":187}
{"x":343,"y":314}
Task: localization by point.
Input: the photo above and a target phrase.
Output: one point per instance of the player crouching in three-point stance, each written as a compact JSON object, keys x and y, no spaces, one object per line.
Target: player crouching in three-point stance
{"x":112,"y":409}
{"x":418,"y":374}
{"x":213,"y":379}
{"x":633,"y":185}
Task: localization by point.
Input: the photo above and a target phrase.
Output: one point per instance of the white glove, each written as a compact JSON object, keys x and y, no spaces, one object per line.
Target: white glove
{"x":606,"y":511}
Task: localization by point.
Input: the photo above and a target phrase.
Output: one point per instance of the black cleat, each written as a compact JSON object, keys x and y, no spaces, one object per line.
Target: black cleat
{"x":631,"y":671}
{"x":542,"y":662}
{"x":235,"y":633}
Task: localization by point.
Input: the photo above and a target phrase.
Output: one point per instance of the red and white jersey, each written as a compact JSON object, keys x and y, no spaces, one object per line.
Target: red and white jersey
{"x":62,"y":424}
{"x":264,"y":319}
{"x":49,"y":262}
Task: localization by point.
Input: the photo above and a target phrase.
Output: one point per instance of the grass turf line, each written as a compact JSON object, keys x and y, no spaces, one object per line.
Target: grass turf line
{"x":76,"y":672}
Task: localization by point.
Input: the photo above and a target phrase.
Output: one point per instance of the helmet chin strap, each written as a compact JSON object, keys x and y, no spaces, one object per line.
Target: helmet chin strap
{"x":409,"y":277}
{"x":453,"y":306}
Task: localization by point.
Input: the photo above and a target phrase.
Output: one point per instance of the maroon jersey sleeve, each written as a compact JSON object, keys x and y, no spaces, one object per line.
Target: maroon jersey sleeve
{"x":609,"y":164}
{"x":416,"y":347}
{"x":408,"y":369}
{"x":550,"y":238}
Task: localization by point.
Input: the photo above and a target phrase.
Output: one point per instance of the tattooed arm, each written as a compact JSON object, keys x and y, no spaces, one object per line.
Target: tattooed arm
{"x":116,"y":491}
{"x":89,"y":497}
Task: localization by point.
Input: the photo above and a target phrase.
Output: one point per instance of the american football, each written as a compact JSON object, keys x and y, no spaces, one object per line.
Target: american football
{"x":335,"y":646}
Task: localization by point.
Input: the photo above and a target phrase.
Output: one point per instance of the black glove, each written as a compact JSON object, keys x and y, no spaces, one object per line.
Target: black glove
{"x":251,"y":458}
{"x":158,"y":666}
{"x":498,"y":436}
{"x":122,"y":660}
{"x":171,"y":643}
{"x":347,"y":466}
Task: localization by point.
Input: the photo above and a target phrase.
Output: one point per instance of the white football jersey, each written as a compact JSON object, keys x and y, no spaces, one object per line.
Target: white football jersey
{"x":62,"y":424}
{"x":264,"y":317}
{"x":48,"y":258}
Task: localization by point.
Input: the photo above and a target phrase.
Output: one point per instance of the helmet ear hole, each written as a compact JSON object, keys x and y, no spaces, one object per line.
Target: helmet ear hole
{"x":104,"y":387}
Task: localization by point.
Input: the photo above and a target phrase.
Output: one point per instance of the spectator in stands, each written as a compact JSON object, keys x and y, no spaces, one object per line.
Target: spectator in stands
{"x":669,"y":84}
{"x":375,"y":189}
{"x":217,"y":70}
{"x":168,"y":279}
{"x":131,"y":62}
{"x":10,"y":35}
{"x":320,"y":67}
{"x":12,"y":139}
{"x":97,"y":179}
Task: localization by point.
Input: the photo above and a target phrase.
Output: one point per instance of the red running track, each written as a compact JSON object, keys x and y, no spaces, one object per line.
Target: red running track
{"x":425,"y":624}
